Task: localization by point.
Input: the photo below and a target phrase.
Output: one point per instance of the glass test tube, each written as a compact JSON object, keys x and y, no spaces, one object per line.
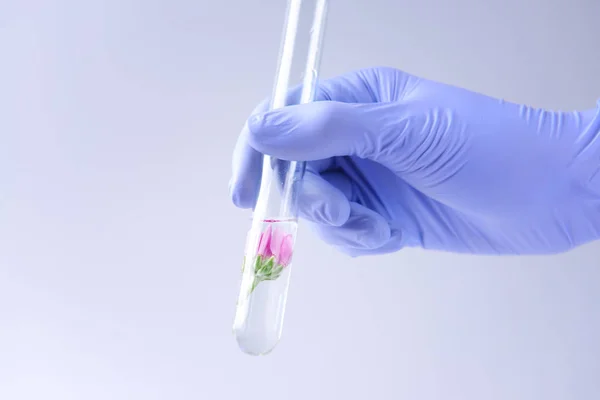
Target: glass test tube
{"x":270,"y":242}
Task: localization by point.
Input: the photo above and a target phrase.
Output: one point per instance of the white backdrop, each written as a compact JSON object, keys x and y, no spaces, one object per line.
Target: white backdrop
{"x":120,"y":252}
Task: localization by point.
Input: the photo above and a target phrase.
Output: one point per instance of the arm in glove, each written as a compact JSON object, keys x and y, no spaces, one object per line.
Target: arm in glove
{"x":395,"y":160}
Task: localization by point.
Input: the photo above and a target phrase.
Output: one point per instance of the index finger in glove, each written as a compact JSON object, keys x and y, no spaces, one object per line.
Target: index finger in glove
{"x":244,"y":184}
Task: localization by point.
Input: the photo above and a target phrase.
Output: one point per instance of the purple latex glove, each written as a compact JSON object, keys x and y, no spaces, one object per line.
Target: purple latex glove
{"x":395,"y":160}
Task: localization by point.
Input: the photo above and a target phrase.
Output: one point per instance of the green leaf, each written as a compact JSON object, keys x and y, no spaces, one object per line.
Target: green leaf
{"x":277,"y":271}
{"x":269,"y":266}
{"x":257,"y":264}
{"x":265,"y":270}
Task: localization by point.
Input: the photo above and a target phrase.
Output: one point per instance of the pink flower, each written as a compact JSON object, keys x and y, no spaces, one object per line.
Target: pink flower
{"x":264,"y":243}
{"x":282,"y":247}
{"x":276,"y":243}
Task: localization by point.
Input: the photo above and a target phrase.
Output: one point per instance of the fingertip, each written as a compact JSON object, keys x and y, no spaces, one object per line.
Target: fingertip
{"x":332,"y":213}
{"x":370,"y":229}
{"x":321,"y":202}
{"x":263,"y":128}
{"x":242,"y":195}
{"x":339,"y":215}
{"x":393,"y":245}
{"x":255,"y":122}
{"x":364,"y":229}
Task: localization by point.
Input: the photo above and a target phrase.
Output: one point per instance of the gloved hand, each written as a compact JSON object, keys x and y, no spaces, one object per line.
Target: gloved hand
{"x":395,"y":160}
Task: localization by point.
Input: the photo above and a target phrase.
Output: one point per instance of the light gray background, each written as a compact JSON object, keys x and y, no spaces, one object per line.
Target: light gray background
{"x":120,"y":253}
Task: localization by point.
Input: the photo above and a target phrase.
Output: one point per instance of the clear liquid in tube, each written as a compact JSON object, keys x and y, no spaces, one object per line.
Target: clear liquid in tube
{"x":265,"y":280}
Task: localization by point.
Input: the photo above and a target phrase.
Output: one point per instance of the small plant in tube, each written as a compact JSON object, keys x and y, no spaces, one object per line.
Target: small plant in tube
{"x":273,"y":254}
